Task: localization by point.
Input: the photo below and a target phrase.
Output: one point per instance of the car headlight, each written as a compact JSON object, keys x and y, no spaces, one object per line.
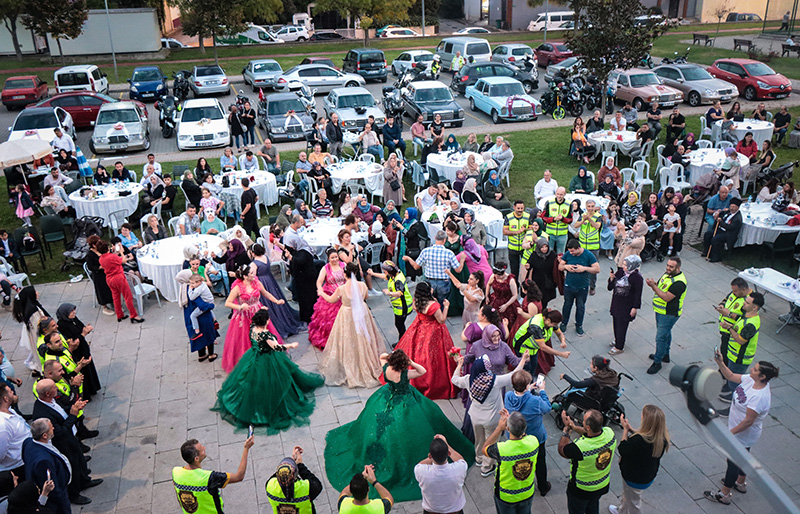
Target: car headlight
{"x":135,"y":137}
{"x":708,"y":92}
{"x":222,"y":134}
{"x":184,"y":138}
{"x":350,"y":123}
{"x":653,"y":98}
{"x":134,"y":90}
{"x":763,"y":85}
{"x":101,"y":139}
{"x":503,"y":111}
{"x":278,"y":130}
{"x":159,"y":87}
{"x":380,"y":121}
{"x":461,"y":113}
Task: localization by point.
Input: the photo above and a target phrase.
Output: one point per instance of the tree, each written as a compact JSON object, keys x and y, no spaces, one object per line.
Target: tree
{"x":379,"y":12}
{"x":720,"y":11}
{"x":11,"y":11}
{"x":62,"y":19}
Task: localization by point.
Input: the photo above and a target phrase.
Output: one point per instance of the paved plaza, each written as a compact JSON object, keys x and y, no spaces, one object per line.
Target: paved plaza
{"x":156,"y":395}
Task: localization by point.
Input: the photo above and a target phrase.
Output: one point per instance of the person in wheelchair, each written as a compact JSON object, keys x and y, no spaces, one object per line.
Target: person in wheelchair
{"x":602,"y":376}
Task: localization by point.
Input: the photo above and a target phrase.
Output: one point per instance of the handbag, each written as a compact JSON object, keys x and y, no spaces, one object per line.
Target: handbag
{"x":395,"y":184}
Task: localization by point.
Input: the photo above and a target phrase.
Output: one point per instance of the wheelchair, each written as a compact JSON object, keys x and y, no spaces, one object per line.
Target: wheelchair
{"x":577,"y":402}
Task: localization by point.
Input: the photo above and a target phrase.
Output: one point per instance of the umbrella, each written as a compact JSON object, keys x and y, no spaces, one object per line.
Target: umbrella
{"x":23,"y":151}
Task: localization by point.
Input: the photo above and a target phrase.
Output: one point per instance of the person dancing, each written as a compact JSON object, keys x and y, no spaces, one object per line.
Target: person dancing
{"x":330,"y":277}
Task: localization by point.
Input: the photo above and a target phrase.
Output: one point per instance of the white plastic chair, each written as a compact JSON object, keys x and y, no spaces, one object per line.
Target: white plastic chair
{"x":705,"y":130}
{"x":664,"y":178}
{"x":609,"y":146}
{"x":722,"y":145}
{"x":15,"y":278}
{"x":606,"y":155}
{"x":91,"y":279}
{"x":628,"y":174}
{"x":643,"y":153}
{"x":677,"y":179}
{"x":642,"y":174}
{"x":140,"y":290}
{"x":591,"y":175}
{"x":329,"y":159}
{"x":366,"y":157}
{"x":313,"y":186}
{"x":769,"y":116}
{"x":493,"y":244}
{"x":115,"y":220}
{"x":703,"y":144}
{"x":156,"y":210}
{"x":172,"y":225}
{"x":416,"y":145}
{"x":504,"y":171}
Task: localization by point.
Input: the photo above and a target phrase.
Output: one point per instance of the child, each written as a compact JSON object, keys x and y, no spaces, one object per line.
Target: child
{"x":275,"y":237}
{"x":24,"y":209}
{"x":198,"y":287}
{"x":209,"y":202}
{"x":672,"y":224}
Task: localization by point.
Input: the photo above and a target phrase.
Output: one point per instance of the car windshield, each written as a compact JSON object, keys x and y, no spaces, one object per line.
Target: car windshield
{"x":210,"y":112}
{"x":146,"y":76}
{"x":696,"y":74}
{"x":106,"y":97}
{"x":567,"y":63}
{"x":438,"y":94}
{"x":266,"y":66}
{"x":423,"y":58}
{"x":350,"y":101}
{"x":281,"y":107}
{"x":117,"y":115}
{"x":40,"y":120}
{"x":758,"y":69}
{"x":510,"y":89}
{"x":208,"y":71}
{"x":521,"y":51}
{"x":478,"y":49}
{"x":562,"y":48}
{"x":372,"y":57}
{"x":18,"y":83}
{"x":644,"y":79}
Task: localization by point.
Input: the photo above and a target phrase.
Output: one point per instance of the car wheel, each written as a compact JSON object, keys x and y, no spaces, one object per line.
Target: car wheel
{"x":351,"y":84}
{"x":384,"y":79}
{"x":394,"y":70}
{"x":228,"y":92}
{"x":495,"y":117}
{"x":638,"y":103}
{"x":91,"y":147}
{"x":255,"y":89}
{"x":528,"y":85}
{"x":694,"y":98}
{"x":147,"y":142}
{"x":301,"y":39}
{"x":472,"y":104}
{"x":8,"y":108}
{"x":750,"y":93}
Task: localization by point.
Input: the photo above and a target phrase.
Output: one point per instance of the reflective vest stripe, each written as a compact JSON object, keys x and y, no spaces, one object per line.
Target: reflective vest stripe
{"x":588,"y":236}
{"x":506,"y":458}
{"x":515,"y":491}
{"x":516,"y":470}
{"x":595,"y":451}
{"x":557,"y":228}
{"x":734,"y":304}
{"x":193,"y":488}
{"x":514,"y":223}
{"x":664,"y":283}
{"x":285,"y":500}
{"x":593,"y":471}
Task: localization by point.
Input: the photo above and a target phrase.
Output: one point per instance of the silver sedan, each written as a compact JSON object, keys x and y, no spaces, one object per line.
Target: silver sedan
{"x":323,"y":78}
{"x":208,"y":80}
{"x":698,"y":86}
{"x":261,"y":73}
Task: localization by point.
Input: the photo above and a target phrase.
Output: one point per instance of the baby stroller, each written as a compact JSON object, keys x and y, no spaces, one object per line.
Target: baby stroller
{"x":781,"y":173}
{"x":652,"y":242}
{"x":577,"y":402}
{"x":82,"y":228}
{"x":705,"y":187}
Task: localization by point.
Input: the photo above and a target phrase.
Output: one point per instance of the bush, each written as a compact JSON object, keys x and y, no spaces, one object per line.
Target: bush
{"x":756,"y":54}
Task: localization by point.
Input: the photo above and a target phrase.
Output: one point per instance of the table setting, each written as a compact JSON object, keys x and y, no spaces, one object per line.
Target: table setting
{"x":103,"y":200}
{"x":261,"y":181}
{"x":761,"y":223}
{"x":713,"y":156}
{"x":321,"y":233}
{"x":447,"y":164}
{"x":772,"y":281}
{"x":762,"y":130}
{"x":624,"y":139}
{"x":371,"y":173}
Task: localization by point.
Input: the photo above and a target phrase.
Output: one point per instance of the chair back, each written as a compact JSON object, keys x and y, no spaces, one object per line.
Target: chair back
{"x":329,"y":159}
{"x":606,"y":155}
{"x":642,"y":169}
{"x":177,"y":172}
{"x":172,"y":225}
{"x":664,"y":178}
{"x":503,"y":171}
{"x":7,"y":268}
{"x":48,"y":210}
{"x":287,"y":166}
{"x":354,"y":188}
{"x":769,"y":116}
{"x":116,"y":219}
{"x":676,"y":173}
{"x":592,"y":175}
{"x":372,"y":253}
{"x":628,"y":174}
{"x":647,"y":149}
{"x":51,"y":224}
{"x":609,"y":146}
{"x":366,"y":157}
{"x":722,"y":145}
{"x":703,"y":144}
{"x":704,"y":131}
{"x":156,"y":209}
{"x":660,"y":150}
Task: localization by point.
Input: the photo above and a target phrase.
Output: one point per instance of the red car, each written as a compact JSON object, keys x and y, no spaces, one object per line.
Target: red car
{"x":551,"y":53}
{"x":753,"y":78}
{"x":83,"y":106}
{"x":23,"y":90}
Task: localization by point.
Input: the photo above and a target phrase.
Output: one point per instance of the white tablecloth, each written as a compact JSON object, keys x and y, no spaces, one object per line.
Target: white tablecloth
{"x":600,"y":201}
{"x":762,"y":130}
{"x":772,"y":281}
{"x":370,"y":173}
{"x":161,"y":260}
{"x":324,"y":232}
{"x":448,"y":166}
{"x":625,"y":140}
{"x":491,"y":218}
{"x":757,"y":227}
{"x":264,"y":185}
{"x":109,"y":202}
{"x":713,"y":156}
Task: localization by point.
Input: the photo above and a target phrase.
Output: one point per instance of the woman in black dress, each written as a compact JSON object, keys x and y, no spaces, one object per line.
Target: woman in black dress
{"x":101,"y":289}
{"x":72,"y":328}
{"x":191,"y":189}
{"x":540,"y":264}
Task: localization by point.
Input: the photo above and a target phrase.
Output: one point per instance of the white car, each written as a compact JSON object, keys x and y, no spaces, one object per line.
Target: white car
{"x":202,"y":124}
{"x":411,"y":59}
{"x":474,"y":30}
{"x":292,"y":33}
{"x":40,"y":123}
{"x":400,"y":33}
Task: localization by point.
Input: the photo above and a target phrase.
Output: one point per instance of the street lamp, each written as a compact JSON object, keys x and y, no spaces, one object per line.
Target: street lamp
{"x":111,"y":41}
{"x":423,"y":18}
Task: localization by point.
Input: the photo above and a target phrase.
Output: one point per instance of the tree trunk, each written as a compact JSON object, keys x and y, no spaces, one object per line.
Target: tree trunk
{"x":201,"y":44}
{"x":60,"y":51}
{"x":11,"y":25}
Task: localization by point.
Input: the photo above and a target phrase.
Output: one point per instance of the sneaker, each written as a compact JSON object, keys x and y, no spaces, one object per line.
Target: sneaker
{"x":373,"y":292}
{"x":615,"y":351}
{"x":488,"y":473}
{"x":107,"y":311}
{"x":591,"y":291}
{"x":726,"y":397}
{"x":579,"y":330}
{"x":723,"y":413}
{"x":717,"y":496}
{"x":654,"y":368}
{"x":612,"y":344}
{"x":742,"y":488}
{"x":611,"y":257}
{"x":563,"y":327}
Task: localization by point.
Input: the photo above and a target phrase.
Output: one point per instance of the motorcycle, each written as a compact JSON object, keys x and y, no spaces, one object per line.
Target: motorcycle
{"x":414,"y":74}
{"x":646,"y":61}
{"x":529,"y":67}
{"x":678,"y":59}
{"x":241,"y":98}
{"x":592,"y":93}
{"x":552,"y":101}
{"x":168,"y":107}
{"x":180,"y":84}
{"x":306,"y":96}
{"x":393,"y":104}
{"x":573,"y":100}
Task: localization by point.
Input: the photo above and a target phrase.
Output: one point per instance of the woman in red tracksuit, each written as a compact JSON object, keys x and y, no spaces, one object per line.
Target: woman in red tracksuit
{"x":115,"y":278}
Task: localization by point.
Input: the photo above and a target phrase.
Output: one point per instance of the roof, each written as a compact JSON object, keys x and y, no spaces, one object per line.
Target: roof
{"x":429,"y":84}
{"x":263,"y":60}
{"x":75,"y":67}
{"x":418,"y":52}
{"x":499,"y":80}
{"x":515,"y":45}
{"x":348,"y":91}
{"x":466,"y":39}
{"x":18,"y":77}
{"x":280,"y":96}
{"x":33,"y":111}
{"x":737,"y":60}
{"x":200,"y":102}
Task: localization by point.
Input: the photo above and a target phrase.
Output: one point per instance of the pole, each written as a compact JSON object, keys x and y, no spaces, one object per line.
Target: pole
{"x":111,"y":42}
{"x":766,"y":12}
{"x":423,"y":18}
{"x":546,"y":18}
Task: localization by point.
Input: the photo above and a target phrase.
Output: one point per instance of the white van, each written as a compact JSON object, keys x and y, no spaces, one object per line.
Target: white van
{"x":553,"y":20}
{"x":82,"y":77}
{"x":254,"y":35}
{"x":474,"y":47}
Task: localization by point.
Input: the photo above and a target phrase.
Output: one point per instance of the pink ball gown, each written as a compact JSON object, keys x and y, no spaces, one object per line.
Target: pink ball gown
{"x":324,"y":312}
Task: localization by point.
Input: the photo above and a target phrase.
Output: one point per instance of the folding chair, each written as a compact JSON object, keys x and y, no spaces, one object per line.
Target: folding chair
{"x":140,"y":290}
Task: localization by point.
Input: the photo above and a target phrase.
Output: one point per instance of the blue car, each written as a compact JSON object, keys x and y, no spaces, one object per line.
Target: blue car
{"x":147,"y":83}
{"x":503,"y":98}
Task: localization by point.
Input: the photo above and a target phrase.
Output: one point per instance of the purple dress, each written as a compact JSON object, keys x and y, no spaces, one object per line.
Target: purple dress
{"x":284,"y":317}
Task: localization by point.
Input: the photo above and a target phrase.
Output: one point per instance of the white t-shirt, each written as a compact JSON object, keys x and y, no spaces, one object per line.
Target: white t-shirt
{"x":746,"y":397}
{"x":442,"y":486}
{"x":674,"y":218}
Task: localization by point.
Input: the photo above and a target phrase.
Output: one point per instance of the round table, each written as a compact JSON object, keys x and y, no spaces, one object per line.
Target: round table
{"x":447,"y":165}
{"x":491,"y":218}
{"x":625,"y":140}
{"x":370,"y":172}
{"x":757,"y":224}
{"x":762,"y":130}
{"x":161,"y":260}
{"x":600,"y":201}
{"x":713,"y":156}
{"x":324,"y":232}
{"x":107,"y":201}
{"x":262,"y":182}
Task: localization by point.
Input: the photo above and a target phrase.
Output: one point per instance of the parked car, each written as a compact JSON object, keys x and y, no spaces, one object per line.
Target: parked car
{"x":168,"y":42}
{"x":510,"y":52}
{"x":326,"y":61}
{"x":120,"y":126}
{"x":272,"y":117}
{"x":473,"y":30}
{"x":293,"y":33}
{"x":370,"y":63}
{"x":552,"y":20}
{"x":469,"y":74}
{"x":147,"y":83}
{"x":40,"y":123}
{"x":83,"y":106}
{"x":568,"y":67}
{"x":411,"y":59}
{"x":22,"y":90}
{"x":697,"y":85}
{"x":640,"y":87}
{"x":379,"y":32}
{"x":326,"y":36}
{"x":650,"y":19}
{"x":492,"y":95}
{"x":261,"y":73}
{"x":353,"y":105}
{"x":400,"y":33}
{"x":80,"y":77}
{"x":551,"y":53}
{"x":474,"y":47}
{"x":251,"y":35}
{"x":752,"y":78}
{"x":202,"y":124}
{"x":742,"y":16}
{"x":208,"y":80}
{"x":322,"y":78}
{"x":431,"y":97}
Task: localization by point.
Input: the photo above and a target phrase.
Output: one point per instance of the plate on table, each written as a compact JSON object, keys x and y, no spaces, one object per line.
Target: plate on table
{"x":785,"y":285}
{"x":752,"y":272}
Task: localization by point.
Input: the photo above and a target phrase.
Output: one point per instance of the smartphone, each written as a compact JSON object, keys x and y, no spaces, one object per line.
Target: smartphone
{"x":48,"y":474}
{"x":611,"y":268}
{"x":716,"y":351}
{"x":539,"y":381}
{"x":250,"y":431}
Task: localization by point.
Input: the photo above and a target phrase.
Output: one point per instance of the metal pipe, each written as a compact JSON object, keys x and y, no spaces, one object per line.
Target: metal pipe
{"x":111,"y":42}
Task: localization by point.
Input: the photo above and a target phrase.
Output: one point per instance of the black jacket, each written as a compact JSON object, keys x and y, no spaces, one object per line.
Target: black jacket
{"x":334,"y":133}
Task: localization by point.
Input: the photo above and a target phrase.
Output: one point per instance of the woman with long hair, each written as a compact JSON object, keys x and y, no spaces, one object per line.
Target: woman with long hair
{"x":626,"y":299}
{"x":285,"y":319}
{"x":27,"y":310}
{"x":770,"y":191}
{"x":640,"y":453}
{"x":331,"y":276}
{"x":583,"y":149}
{"x":73,"y":328}
{"x":472,"y":293}
{"x":202,"y":169}
{"x":531,"y":304}
{"x":502,"y":292}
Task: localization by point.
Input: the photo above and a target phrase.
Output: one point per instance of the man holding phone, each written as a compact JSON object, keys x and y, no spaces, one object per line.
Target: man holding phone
{"x":730,"y":310}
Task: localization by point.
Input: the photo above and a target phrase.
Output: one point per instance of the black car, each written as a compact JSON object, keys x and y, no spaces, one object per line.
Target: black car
{"x":370,"y":63}
{"x":272,"y":117}
{"x":469,"y":74}
{"x":326,"y":36}
{"x":431,"y":97}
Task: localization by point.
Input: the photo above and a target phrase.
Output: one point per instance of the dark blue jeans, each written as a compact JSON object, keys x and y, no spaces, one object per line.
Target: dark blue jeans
{"x":441,"y":289}
{"x":521,"y":507}
{"x":664,"y":324}
{"x":578,"y":296}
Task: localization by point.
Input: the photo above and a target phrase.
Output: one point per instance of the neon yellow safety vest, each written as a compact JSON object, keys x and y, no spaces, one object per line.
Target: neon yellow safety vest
{"x":516,"y":472}
{"x":514,"y":223}
{"x":67,"y":362}
{"x":664,"y":283}
{"x":40,"y":342}
{"x":523,"y":339}
{"x":734,"y":304}
{"x":588,"y":236}
{"x":557,"y":228}
{"x":593,"y":472}
{"x":300,"y":504}
{"x":530,"y":237}
{"x":744,"y":354}
{"x":191,"y":486}
{"x":373,"y":507}
{"x":401,"y":305}
{"x":62,"y":386}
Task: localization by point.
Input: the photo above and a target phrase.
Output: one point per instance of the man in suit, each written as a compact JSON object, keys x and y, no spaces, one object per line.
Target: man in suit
{"x":65,"y":438}
{"x":8,"y":248}
{"x":727,"y":232}
{"x":43,"y":462}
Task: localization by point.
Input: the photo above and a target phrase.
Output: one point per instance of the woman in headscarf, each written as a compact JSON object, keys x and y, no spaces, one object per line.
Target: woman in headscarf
{"x":541,"y":264}
{"x":153,"y":191}
{"x":391,"y":212}
{"x":582,"y":182}
{"x":235,"y":256}
{"x":690,"y":143}
{"x":632,"y":209}
{"x":292,"y":472}
{"x":387,"y":231}
{"x":610,"y":168}
{"x":451,"y":144}
{"x":98,"y":275}
{"x":471,"y":227}
{"x":461,"y":179}
{"x":631,"y":241}
{"x":365,"y":211}
{"x":501,"y":356}
{"x":493,"y":192}
{"x":204,"y":343}
{"x":28,"y":311}
{"x":72,"y":328}
{"x":191,"y":189}
{"x":469,"y":195}
{"x":475,"y":257}
{"x":284,"y":217}
{"x":471,"y":168}
{"x":607,"y":188}
{"x":730,"y":167}
{"x":626,"y":298}
{"x":302,"y":210}
{"x":393,"y":180}
{"x":24,"y":498}
{"x":412,"y":232}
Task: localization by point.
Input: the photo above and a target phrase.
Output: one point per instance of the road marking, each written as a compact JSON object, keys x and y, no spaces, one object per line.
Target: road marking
{"x":475,"y":117}
{"x":120,"y":95}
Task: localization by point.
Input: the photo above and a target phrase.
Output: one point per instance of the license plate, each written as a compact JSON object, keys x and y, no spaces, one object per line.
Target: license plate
{"x":204,"y":143}
{"x":782,"y":95}
{"x":294,"y":136}
{"x":148,"y":94}
{"x":212,"y":83}
{"x":724,"y":98}
{"x":18,"y":97}
{"x":119,"y":147}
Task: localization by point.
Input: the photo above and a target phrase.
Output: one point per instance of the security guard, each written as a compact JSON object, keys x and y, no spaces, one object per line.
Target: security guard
{"x":198,"y":490}
{"x":355,"y":497}
{"x":730,"y":309}
{"x":514,"y":477}
{"x":67,"y":390}
{"x":293,"y":488}
{"x":589,"y":225}
{"x":53,"y":349}
{"x":670,"y":290}
{"x":557,"y":215}
{"x":535,"y":333}
{"x":514,"y":226}
{"x":744,"y":339}
{"x":458,"y":62}
{"x":398,"y":293}
{"x":591,"y":457}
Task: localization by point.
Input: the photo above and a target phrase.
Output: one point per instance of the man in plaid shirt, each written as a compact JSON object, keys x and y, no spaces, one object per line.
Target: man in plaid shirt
{"x":435,"y":260}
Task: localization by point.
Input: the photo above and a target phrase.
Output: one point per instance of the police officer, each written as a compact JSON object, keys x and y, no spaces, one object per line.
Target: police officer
{"x":514,"y":226}
{"x":458,"y":62}
{"x":198,"y":490}
{"x":743,"y":339}
{"x":398,"y":293}
{"x":514,"y":477}
{"x":589,"y":226}
{"x":534,"y":334}
{"x":557,"y":215}
{"x":670,"y":290}
{"x":355,"y":497}
{"x":591,"y":457}
{"x":293,"y":488}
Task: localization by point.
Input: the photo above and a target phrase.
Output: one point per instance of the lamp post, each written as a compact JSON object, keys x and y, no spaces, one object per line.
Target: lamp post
{"x":423,"y":18}
{"x":111,"y":42}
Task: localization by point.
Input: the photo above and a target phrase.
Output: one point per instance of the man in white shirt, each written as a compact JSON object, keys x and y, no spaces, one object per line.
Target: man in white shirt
{"x":618,"y":123}
{"x":426,"y":200}
{"x":250,"y":162}
{"x":13,"y":431}
{"x":441,"y":482}
{"x":151,"y":161}
{"x":55,"y":178}
{"x":62,"y":142}
{"x":149,"y":171}
{"x":546,"y":187}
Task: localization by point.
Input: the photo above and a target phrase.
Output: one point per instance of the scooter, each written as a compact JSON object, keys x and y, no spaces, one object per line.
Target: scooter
{"x":180,"y":84}
{"x":393,"y":104}
{"x":306,"y":96}
{"x":678,"y":59}
{"x":573,"y":100}
{"x":168,"y":107}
